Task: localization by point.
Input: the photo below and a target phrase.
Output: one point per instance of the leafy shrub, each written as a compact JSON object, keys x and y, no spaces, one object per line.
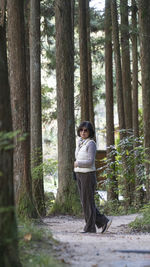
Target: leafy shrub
{"x":142,"y":223}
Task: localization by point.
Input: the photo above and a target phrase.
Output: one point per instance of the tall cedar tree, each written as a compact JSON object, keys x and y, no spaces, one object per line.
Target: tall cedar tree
{"x":84,"y":92}
{"x":144,"y":24}
{"x":90,"y":87}
{"x":8,"y":226}
{"x":18,"y":88}
{"x":112,"y":191}
{"x":27,"y":52}
{"x":126,"y":72}
{"x":35,"y":107}
{"x":135,"y":69}
{"x":119,"y":87}
{"x":66,"y":195}
{"x":138,"y":182}
{"x":126,"y":79}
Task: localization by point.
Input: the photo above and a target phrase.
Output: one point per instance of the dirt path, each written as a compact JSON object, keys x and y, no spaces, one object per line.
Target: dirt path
{"x":100,"y":250}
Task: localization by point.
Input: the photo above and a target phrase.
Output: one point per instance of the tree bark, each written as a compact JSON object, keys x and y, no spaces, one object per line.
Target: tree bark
{"x":27,"y":53}
{"x":144,"y":24}
{"x":112,"y":191}
{"x":90,"y":87}
{"x":66,"y":196}
{"x":126,"y":76}
{"x":35,"y":107}
{"x":126,"y":79}
{"x":9,"y":255}
{"x":138,"y":182}
{"x":84,"y":92}
{"x":135,"y":70}
{"x":119,"y":86}
{"x":120,"y":102}
{"x":18,"y":87}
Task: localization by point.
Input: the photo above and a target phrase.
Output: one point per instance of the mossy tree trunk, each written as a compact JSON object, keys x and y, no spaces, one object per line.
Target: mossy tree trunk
{"x":35,"y":107}
{"x":67,"y":197}
{"x":18,"y":88}
{"x":8,"y":226}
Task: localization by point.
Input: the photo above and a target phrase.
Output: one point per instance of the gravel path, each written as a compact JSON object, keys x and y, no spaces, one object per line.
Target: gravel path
{"x":100,"y":250}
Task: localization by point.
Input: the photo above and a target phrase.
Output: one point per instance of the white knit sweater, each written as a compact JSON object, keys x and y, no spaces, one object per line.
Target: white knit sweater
{"x":85,"y":156}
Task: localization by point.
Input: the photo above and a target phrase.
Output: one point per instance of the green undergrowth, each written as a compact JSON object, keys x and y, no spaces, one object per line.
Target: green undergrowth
{"x":142,"y":223}
{"x":70,"y":206}
{"x":36,"y":245}
{"x":67,"y":203}
{"x":116,"y":208}
{"x":49,"y":201}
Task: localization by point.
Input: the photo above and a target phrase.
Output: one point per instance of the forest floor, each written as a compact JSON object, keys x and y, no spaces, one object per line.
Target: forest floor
{"x":118,"y":247}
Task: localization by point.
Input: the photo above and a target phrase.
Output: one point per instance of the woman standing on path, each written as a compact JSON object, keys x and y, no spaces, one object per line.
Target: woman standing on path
{"x":85,"y":170}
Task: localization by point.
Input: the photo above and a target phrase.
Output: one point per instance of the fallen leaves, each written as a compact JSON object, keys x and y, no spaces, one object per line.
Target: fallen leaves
{"x":27,"y":237}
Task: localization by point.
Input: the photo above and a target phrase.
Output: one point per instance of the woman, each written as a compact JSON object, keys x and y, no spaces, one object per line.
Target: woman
{"x":85,"y":170}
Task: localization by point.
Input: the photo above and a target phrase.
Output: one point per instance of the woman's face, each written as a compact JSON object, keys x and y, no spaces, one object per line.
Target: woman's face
{"x":84,"y":133}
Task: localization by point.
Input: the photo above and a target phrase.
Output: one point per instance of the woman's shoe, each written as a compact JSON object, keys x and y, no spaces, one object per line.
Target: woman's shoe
{"x":84,"y":232}
{"x":106,"y":226}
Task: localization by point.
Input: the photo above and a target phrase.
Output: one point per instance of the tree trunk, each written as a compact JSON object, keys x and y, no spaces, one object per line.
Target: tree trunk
{"x":144,"y":24}
{"x":126,"y":76}
{"x":119,"y":85}
{"x":90,"y":87}
{"x":135,"y":70}
{"x":18,"y":87}
{"x":84,"y":92}
{"x":27,"y":52}
{"x":138,"y":182}
{"x":112,"y":191}
{"x":35,"y":107}
{"x":66,"y":196}
{"x":8,"y":226}
{"x":120,"y":102}
{"x":126,"y":79}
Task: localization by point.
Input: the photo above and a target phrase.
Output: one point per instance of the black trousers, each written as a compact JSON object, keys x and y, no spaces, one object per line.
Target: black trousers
{"x":86,"y":186}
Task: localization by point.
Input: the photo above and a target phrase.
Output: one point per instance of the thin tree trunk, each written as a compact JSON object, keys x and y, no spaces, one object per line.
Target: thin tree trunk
{"x":9,"y":255}
{"x":112,"y":191}
{"x":126,"y":79}
{"x":18,"y":87}
{"x":144,"y":23}
{"x":119,"y":86}
{"x":84,"y":92}
{"x":135,"y":70}
{"x":90,"y":87}
{"x":138,"y":182}
{"x":35,"y":107}
{"x":27,"y":53}
{"x":66,"y":196}
{"x":126,"y":76}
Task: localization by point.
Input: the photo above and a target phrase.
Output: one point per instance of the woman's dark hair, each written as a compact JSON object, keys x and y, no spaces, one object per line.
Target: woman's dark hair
{"x":88,"y":125}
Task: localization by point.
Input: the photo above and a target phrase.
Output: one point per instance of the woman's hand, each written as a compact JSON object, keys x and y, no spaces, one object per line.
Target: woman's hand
{"x":75,"y":164}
